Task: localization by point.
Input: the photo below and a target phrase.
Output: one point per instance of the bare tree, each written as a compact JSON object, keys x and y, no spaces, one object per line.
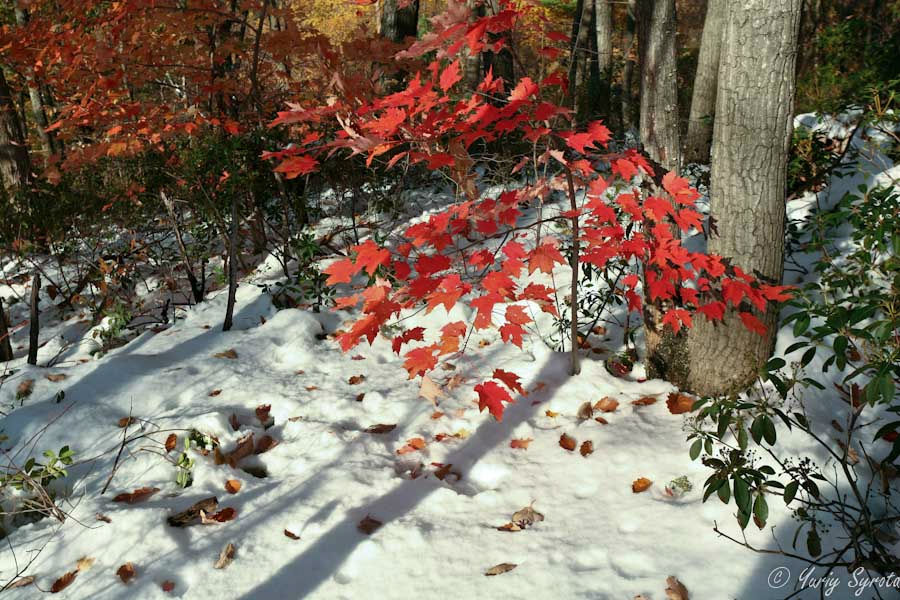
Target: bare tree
{"x":659,"y":93}
{"x":15,"y":164}
{"x":703,"y":99}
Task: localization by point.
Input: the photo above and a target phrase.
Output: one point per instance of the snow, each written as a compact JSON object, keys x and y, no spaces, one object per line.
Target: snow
{"x":599,"y":540}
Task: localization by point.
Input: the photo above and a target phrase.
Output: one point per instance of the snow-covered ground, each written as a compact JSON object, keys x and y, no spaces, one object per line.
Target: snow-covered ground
{"x":327,"y":474}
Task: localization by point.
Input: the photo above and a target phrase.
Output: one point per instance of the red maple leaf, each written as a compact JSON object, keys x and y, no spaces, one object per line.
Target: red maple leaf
{"x":510,"y":379}
{"x":753,"y":324}
{"x":543,"y":257}
{"x":450,"y":76}
{"x":416,"y":333}
{"x":492,"y":397}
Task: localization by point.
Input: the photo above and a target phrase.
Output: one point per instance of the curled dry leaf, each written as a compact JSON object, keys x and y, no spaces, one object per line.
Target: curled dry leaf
{"x":585,"y":411}
{"x":215,"y":393}
{"x":311,"y":388}
{"x":369,"y":525}
{"x":63,"y":582}
{"x":24,"y":389}
{"x":170,"y":442}
{"x":223,"y":516}
{"x":127,"y":421}
{"x":521,"y":443}
{"x":527,"y":516}
{"x":412,"y":445}
{"x":500,"y":569}
{"x":679,"y":403}
{"x":225,"y":556}
{"x":606,"y":404}
{"x":56,"y":377}
{"x":437,"y":415}
{"x":245,"y":447}
{"x":551,"y":414}
{"x":265,"y":443}
{"x":675,"y":590}
{"x":360,"y":397}
{"x":430,"y":390}
{"x":645,"y":401}
{"x":188,"y":516}
{"x":262,"y":413}
{"x":231,"y":354}
{"x":640,"y":485}
{"x":104,"y":518}
{"x":511,"y":527}
{"x":568,"y":442}
{"x":381,"y":428}
{"x":84,"y":563}
{"x":601,"y":420}
{"x":233,"y":421}
{"x":443,"y":471}
{"x":21,"y":582}
{"x":291,"y":534}
{"x":137,"y":495}
{"x":587,"y":448}
{"x":356,"y":379}
{"x":126,"y":572}
{"x":232,"y":486}
{"x":167,"y":585}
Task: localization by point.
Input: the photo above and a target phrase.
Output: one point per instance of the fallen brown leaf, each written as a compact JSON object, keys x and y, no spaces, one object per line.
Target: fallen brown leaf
{"x":437,"y":415}
{"x":645,"y":401}
{"x":606,"y":404}
{"x":127,"y":421}
{"x":231,"y":354}
{"x":170,"y":442}
{"x":191,"y":514}
{"x":311,"y":388}
{"x":369,"y":525}
{"x":232,"y":486}
{"x":640,"y":485}
{"x":262,"y":413}
{"x":225,"y":556}
{"x":215,"y":393}
{"x":568,"y":442}
{"x":233,"y":421}
{"x":223,"y":516}
{"x":587,"y":448}
{"x":167,"y":585}
{"x":104,"y":518}
{"x":527,"y":516}
{"x":585,"y":411}
{"x":360,"y":397}
{"x":265,"y":443}
{"x":63,"y":582}
{"x":24,"y":390}
{"x":601,"y":420}
{"x":509,"y":527}
{"x":21,"y":582}
{"x":521,"y":443}
{"x":679,"y":403}
{"x":56,"y":377}
{"x":291,"y":534}
{"x":137,"y":495}
{"x":380,"y":428}
{"x":675,"y":590}
{"x":500,"y":569}
{"x":356,"y":379}
{"x":430,"y":390}
{"x":126,"y":572}
{"x":412,"y":445}
{"x":84,"y":563}
{"x":551,"y":414}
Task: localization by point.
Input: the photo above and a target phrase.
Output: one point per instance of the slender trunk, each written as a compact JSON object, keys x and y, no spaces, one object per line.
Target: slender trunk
{"x":703,"y":99}
{"x":35,"y":317}
{"x":747,"y":184}
{"x":232,"y":266}
{"x":34,"y":96}
{"x":6,"y":351}
{"x":196,"y":288}
{"x":659,"y":80}
{"x":472,"y":60}
{"x":575,"y":367}
{"x":579,"y":60}
{"x":15,"y":164}
{"x":628,"y":101}
{"x":397,"y":24}
{"x":603,"y":37}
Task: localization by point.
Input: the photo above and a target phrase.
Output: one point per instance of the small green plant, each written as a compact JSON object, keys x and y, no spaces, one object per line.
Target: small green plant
{"x":40,"y":473}
{"x":184,"y":467}
{"x":307,"y":284}
{"x":679,"y":486}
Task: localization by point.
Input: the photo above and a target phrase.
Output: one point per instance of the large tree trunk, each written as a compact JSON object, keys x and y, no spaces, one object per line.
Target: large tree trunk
{"x":15,"y":164}
{"x":703,"y":99}
{"x":659,"y":93}
{"x":396,"y":24}
{"x":752,"y":133}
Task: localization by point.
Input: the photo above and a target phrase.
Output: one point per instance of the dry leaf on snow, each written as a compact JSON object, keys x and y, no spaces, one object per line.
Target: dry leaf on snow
{"x":126,"y":572}
{"x":645,"y":401}
{"x":291,"y":534}
{"x":21,"y":582}
{"x":412,"y":445}
{"x":587,"y":448}
{"x":585,"y":411}
{"x":56,"y":377}
{"x":104,"y":518}
{"x":381,"y":428}
{"x":63,"y":582}
{"x":226,"y":514}
{"x":84,"y":563}
{"x":521,"y":443}
{"x":500,"y":569}
{"x":601,"y":420}
{"x":233,"y":421}
{"x":640,"y":485}
{"x":231,"y":354}
{"x":675,"y":590}
{"x":167,"y":585}
{"x":24,"y":390}
{"x":232,"y":486}
{"x":369,"y":525}
{"x":526,"y":516}
{"x":265,"y":443}
{"x":568,"y":442}
{"x":225,"y":556}
{"x":606,"y":404}
{"x":356,"y":379}
{"x":551,"y":414}
{"x":127,"y":421}
{"x":679,"y":403}
{"x":188,"y":516}
{"x":430,"y":390}
{"x":170,"y":442}
{"x":262,"y":414}
{"x":215,"y":393}
{"x":137,"y":495}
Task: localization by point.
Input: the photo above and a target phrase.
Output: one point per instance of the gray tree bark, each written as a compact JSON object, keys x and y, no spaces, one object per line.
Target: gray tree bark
{"x":15,"y":164}
{"x":703,"y":98}
{"x":396,"y":24}
{"x":751,"y":138}
{"x":628,"y":101}
{"x":579,"y":59}
{"x":603,"y":36}
{"x":48,"y":141}
{"x":659,"y":94}
{"x":6,"y":351}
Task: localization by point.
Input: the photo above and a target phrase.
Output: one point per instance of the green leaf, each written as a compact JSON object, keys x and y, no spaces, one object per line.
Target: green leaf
{"x":790,"y":491}
{"x":768,"y":430}
{"x":813,"y":543}
{"x":756,"y":429}
{"x":801,"y":325}
{"x":696,"y":447}
{"x":808,"y":356}
{"x":742,"y":495}
{"x":724,"y":493}
{"x":761,"y":509}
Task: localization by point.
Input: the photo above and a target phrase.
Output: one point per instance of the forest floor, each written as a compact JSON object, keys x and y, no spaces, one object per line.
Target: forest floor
{"x":327,"y":506}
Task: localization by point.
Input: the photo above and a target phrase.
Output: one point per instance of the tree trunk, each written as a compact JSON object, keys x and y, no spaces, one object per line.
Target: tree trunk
{"x":754,"y":110}
{"x":397,"y":24}
{"x":472,"y":60}
{"x":659,"y":93}
{"x":579,"y":60}
{"x":703,"y":98}
{"x":6,"y":351}
{"x":628,"y":101}
{"x":499,"y":63}
{"x":35,"y":324}
{"x":15,"y":164}
{"x":232,"y":266}
{"x":37,"y":103}
{"x":603,"y":37}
